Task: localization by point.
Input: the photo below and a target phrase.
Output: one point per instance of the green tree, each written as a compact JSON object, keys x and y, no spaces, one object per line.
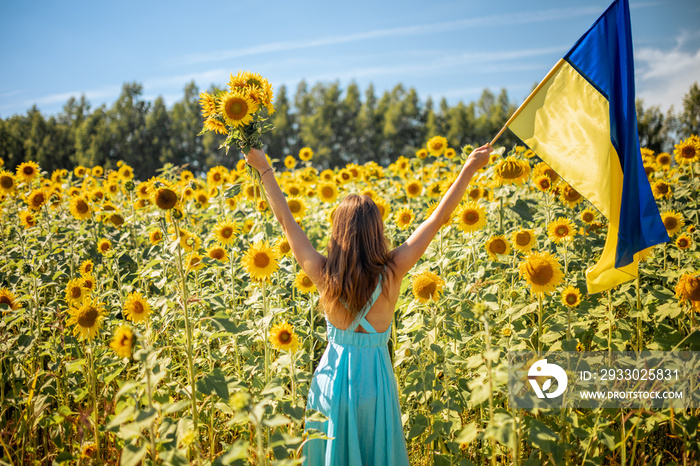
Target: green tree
{"x":689,"y":118}
{"x":652,"y":127}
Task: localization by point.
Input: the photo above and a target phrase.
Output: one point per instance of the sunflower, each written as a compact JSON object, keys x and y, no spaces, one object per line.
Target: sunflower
{"x":80,"y":171}
{"x":422,"y":153}
{"x":413,"y":188}
{"x":7,"y":182}
{"x":194,"y":262}
{"x":87,"y":267}
{"x":436,"y":145}
{"x":305,"y":154}
{"x":290,"y":162}
{"x":475,"y":193}
{"x":87,"y":281}
{"x":403,"y":218}
{"x":248,"y":225}
{"x":344,"y":176}
{"x":115,"y":219}
{"x":126,"y":173}
{"x":155,"y":236}
{"x":688,"y":289}
{"x":27,"y":171}
{"x":523,"y":240}
{"x":217,"y":253}
{"x":189,"y":241}
{"x":544,"y":169}
{"x":570,"y":196}
{"x":571,"y":296}
{"x":251,"y":191}
{"x":303,"y":283}
{"x":497,"y":245}
{"x":450,"y":153}
{"x":511,"y":170}
{"x":104,"y":246}
{"x":282,"y":247}
{"x":214,"y":124}
{"x":27,"y":218}
{"x":543,"y":183}
{"x":216,"y":175}
{"x":136,"y":307}
{"x":328,"y":192}
{"x":687,"y":152}
{"x":201,"y":198}
{"x":260,"y":261}
{"x":297,"y":206}
{"x":8,"y":298}
{"x":208,"y":104}
{"x":541,"y":271}
{"x":588,"y":216}
{"x":383,"y":206}
{"x":75,"y":292}
{"x":427,"y":285}
{"x":472,"y":217}
{"x":283,"y":338}
{"x":664,"y":160}
{"x":237,"y":108}
{"x":87,"y":319}
{"x":37,"y":198}
{"x":661,"y":189}
{"x":561,"y":229}
{"x":123,"y":341}
{"x":672,"y":221}
{"x":164,"y":198}
{"x":684,"y":241}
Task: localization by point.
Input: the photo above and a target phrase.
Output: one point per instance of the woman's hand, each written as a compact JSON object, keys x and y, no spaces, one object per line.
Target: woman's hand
{"x":256,"y":159}
{"x":479,"y":157}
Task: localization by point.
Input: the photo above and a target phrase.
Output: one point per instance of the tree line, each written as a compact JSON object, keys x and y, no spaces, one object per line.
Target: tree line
{"x":340,"y":125}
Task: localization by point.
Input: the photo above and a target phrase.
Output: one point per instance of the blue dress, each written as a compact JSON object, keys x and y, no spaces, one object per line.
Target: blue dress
{"x":355,"y":388}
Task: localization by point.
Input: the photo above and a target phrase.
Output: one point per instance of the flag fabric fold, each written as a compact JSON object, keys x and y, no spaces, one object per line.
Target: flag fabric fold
{"x":581,"y":120}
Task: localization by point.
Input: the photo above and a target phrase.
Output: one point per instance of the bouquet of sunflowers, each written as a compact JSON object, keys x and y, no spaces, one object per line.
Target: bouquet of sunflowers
{"x":241,"y":112}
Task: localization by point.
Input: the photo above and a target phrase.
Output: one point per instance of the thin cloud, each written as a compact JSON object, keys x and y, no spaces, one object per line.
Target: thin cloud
{"x":492,"y":20}
{"x":665,"y":76}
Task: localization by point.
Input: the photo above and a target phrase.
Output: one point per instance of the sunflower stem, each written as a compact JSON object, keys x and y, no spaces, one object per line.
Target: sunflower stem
{"x":539,"y":324}
{"x":610,"y":323}
{"x":93,"y":390}
{"x":639,"y":310}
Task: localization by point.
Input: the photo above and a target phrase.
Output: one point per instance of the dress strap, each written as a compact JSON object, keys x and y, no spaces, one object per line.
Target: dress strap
{"x":360,"y":318}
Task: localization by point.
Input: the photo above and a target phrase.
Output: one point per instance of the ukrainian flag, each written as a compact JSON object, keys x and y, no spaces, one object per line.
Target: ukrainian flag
{"x":581,"y":121}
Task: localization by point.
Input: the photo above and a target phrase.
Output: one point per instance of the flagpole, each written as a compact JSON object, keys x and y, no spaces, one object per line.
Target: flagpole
{"x":529,"y":98}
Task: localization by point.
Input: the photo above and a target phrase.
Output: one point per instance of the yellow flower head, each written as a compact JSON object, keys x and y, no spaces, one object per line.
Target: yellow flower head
{"x":104,"y":246}
{"x":403,"y":218}
{"x":194,"y":262}
{"x":237,"y":108}
{"x":661,"y":189}
{"x":571,"y":296}
{"x":27,"y":218}
{"x":511,"y":170}
{"x":305,"y":154}
{"x":75,"y":292}
{"x":664,"y":160}
{"x":543,"y":183}
{"x":297,"y":206}
{"x":561,"y":229}
{"x":214,"y":124}
{"x":7,"y":182}
{"x":126,"y":173}
{"x":436,"y":146}
{"x":426,"y":286}
{"x":688,"y":151}
{"x":413,"y":188}
{"x":282,"y":247}
{"x":290,"y":162}
{"x":216,"y":175}
{"x":588,"y":216}
{"x":327,"y":192}
{"x":37,"y":198}
{"x":8,"y":298}
{"x":136,"y":308}
{"x":304,"y":283}
{"x":218,"y":253}
{"x":123,"y":341}
{"x":383,"y":206}
{"x":164,"y":197}
{"x":688,"y":289}
{"x":422,"y":153}
{"x":80,"y":208}
{"x":541,"y":271}
{"x":544,"y":169}
{"x":570,"y":196}
{"x":672,"y":221}
{"x":208,"y":103}
{"x":87,"y":319}
{"x":497,"y":245}
{"x":472,"y":217}
{"x":155,"y":236}
{"x":684,"y":241}
{"x":523,"y":240}
{"x":260,"y":261}
{"x":283,"y":338}
{"x":87,"y":267}
{"x":27,"y":171}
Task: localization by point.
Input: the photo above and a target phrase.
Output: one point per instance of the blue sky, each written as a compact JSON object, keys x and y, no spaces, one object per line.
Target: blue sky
{"x":454,"y":49}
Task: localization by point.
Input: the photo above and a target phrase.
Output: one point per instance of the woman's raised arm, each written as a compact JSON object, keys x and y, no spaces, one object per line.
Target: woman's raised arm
{"x":310,"y":260}
{"x":407,"y":255}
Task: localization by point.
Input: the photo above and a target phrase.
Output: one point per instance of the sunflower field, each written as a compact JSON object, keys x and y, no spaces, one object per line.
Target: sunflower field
{"x":164,"y":321}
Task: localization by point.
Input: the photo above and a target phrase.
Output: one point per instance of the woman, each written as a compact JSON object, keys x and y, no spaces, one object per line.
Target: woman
{"x":359,"y":282}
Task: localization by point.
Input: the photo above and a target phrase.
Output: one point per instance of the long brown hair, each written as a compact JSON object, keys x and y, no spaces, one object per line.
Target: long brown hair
{"x":357,"y":253}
